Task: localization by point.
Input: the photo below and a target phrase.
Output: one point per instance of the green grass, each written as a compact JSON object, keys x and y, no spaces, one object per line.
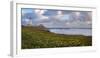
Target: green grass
{"x":34,"y":37}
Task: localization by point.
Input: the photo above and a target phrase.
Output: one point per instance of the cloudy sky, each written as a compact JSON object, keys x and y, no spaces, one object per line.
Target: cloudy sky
{"x":51,"y":18}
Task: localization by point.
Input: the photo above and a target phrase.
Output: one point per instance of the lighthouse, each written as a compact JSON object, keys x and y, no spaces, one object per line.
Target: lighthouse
{"x":29,"y":22}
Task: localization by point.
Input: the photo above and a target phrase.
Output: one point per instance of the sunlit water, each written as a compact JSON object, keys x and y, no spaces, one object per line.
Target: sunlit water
{"x":86,"y":32}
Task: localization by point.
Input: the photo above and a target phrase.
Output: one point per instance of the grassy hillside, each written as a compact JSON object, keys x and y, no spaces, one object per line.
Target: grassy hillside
{"x":34,"y":37}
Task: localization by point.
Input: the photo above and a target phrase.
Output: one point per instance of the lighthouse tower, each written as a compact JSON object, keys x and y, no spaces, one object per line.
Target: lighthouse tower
{"x":30,"y":22}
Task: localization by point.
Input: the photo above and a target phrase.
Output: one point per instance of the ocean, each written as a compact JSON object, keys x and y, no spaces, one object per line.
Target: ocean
{"x":86,"y":32}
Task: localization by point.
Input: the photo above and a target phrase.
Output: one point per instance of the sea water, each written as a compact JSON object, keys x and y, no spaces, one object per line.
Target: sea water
{"x":86,"y":32}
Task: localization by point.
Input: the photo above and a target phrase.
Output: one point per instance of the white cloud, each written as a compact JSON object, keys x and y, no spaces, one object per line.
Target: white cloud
{"x":26,"y":20}
{"x":77,"y":13}
{"x":39,"y":11}
{"x":89,"y":22}
{"x":61,"y":20}
{"x":59,"y":12}
{"x":67,"y":23}
{"x":40,"y":16}
{"x":43,"y":17}
{"x":78,"y":24}
{"x":65,"y":17}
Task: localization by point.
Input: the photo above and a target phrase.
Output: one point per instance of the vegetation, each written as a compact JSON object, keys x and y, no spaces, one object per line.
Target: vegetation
{"x":35,"y":37}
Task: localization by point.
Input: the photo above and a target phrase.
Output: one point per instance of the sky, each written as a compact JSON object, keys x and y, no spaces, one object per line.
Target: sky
{"x":53,"y":18}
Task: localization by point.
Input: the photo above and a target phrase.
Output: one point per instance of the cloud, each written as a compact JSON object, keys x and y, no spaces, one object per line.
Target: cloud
{"x":77,"y":14}
{"x":59,"y":12}
{"x":63,"y":21}
{"x":78,"y":24}
{"x":65,"y":17}
{"x":25,"y":21}
{"x":59,"y":15}
{"x":39,"y":11}
{"x":59,"y":18}
{"x":39,"y":16}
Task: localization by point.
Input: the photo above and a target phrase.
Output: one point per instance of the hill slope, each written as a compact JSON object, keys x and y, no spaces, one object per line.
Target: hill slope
{"x":34,"y":37}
